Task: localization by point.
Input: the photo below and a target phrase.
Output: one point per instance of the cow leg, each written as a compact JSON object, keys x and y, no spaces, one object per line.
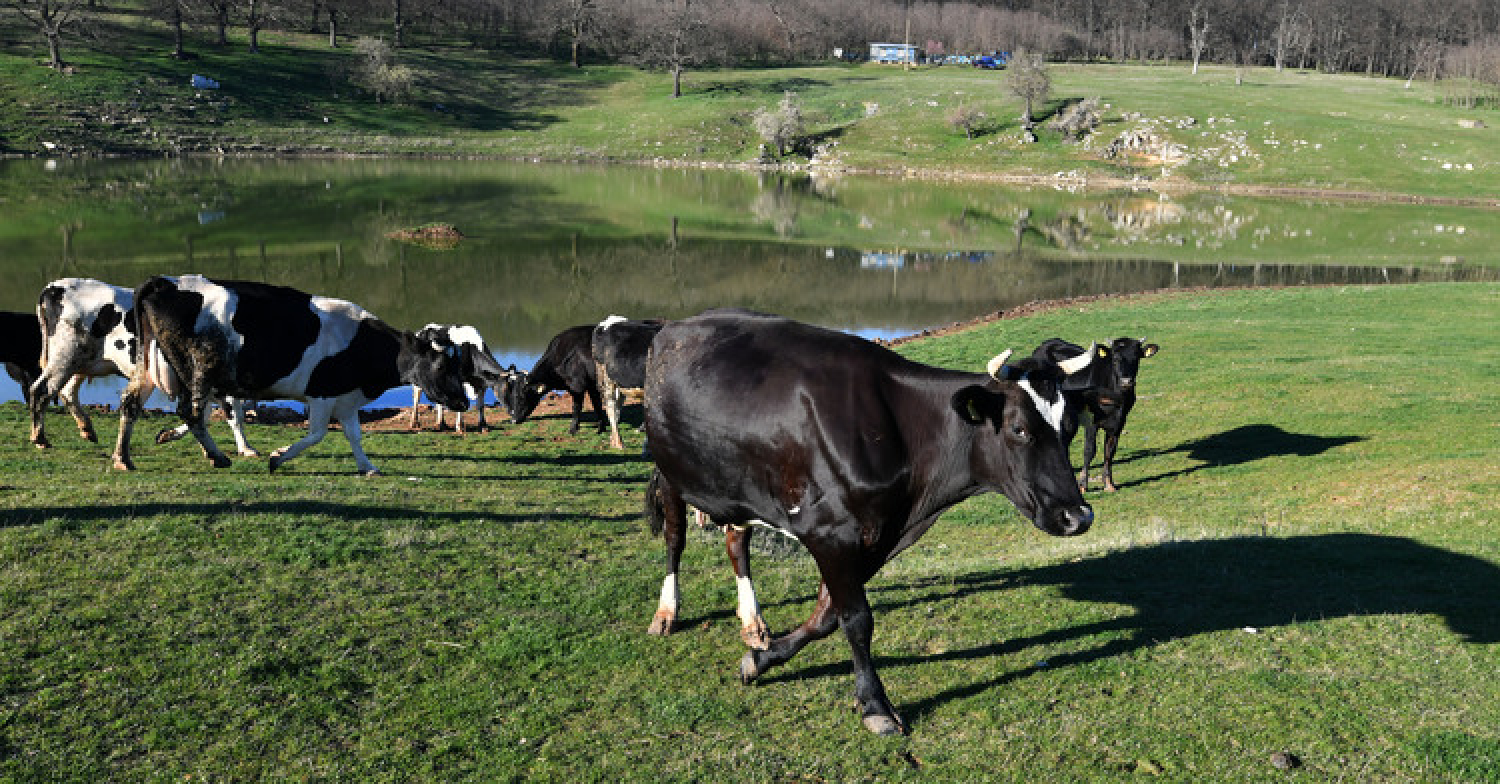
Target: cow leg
{"x":318,"y":413}
{"x":234,"y":410}
{"x":577,"y":411}
{"x":612,"y":396}
{"x":194,"y":412}
{"x":68,"y":395}
{"x":876,"y":711}
{"x":41,"y":392}
{"x":136,"y":393}
{"x":593,"y":394}
{"x":1090,"y":434}
{"x":479,"y":425}
{"x":349,"y":421}
{"x":416,"y":399}
{"x":674,"y":534}
{"x":820,"y":624}
{"x":753,"y":629}
{"x":1111,"y":442}
{"x":22,"y":378}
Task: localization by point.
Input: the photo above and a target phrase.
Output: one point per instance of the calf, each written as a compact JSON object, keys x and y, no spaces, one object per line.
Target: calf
{"x":847,"y":447}
{"x":568,"y":363}
{"x":87,"y":330}
{"x":21,"y":349}
{"x":1104,"y":389}
{"x":481,"y":372}
{"x":619,"y":347}
{"x":200,"y":338}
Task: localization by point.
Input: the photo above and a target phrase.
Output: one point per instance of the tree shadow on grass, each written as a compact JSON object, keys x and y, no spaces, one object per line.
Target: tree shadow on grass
{"x":1245,"y":444}
{"x":1183,"y":589}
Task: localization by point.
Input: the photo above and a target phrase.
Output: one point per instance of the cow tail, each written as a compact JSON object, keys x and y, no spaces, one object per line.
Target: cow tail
{"x":151,"y":365}
{"x":656,"y":489}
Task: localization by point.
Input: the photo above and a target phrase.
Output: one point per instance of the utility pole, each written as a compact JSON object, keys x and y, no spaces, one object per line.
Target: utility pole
{"x":908,"y":55}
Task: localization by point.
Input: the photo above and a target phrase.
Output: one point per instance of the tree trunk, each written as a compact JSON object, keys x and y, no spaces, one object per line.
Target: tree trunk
{"x":333,"y":28}
{"x":54,"y":50}
{"x":577,"y":47}
{"x":221,"y":19}
{"x":252,"y":22}
{"x":400,"y":25}
{"x":677,"y":81}
{"x":177,"y":53}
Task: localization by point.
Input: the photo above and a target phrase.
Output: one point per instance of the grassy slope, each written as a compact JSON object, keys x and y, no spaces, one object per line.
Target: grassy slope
{"x":1291,"y":129}
{"x":1302,"y":558}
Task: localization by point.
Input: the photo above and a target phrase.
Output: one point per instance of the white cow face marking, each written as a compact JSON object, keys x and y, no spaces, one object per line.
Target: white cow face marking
{"x":1051,"y":410}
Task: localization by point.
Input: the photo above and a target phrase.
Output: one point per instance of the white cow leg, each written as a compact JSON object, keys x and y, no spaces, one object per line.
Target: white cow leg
{"x":68,"y":394}
{"x":350,"y":422}
{"x":236,"y":416}
{"x":753,"y":629}
{"x":317,"y":426}
{"x":416,"y":399}
{"x":666,"y":607}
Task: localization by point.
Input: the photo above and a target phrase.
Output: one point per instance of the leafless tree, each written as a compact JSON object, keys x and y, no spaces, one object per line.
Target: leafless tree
{"x":1198,"y":27}
{"x":671,"y":37}
{"x":51,"y":18}
{"x":1026,"y":77}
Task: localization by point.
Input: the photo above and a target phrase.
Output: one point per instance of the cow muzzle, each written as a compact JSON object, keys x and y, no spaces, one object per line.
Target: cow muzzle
{"x":1071,"y":521}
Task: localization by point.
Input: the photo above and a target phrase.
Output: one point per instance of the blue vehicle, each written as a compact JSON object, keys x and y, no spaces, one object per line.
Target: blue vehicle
{"x":992,"y":61}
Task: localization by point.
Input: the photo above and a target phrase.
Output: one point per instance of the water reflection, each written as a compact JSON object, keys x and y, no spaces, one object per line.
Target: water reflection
{"x":546,"y":247}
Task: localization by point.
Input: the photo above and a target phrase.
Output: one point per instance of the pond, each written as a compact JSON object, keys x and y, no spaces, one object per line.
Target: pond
{"x":545,"y":247}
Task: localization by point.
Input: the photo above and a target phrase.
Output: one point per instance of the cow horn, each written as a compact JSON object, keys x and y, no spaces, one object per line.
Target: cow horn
{"x":1074,"y":365}
{"x":998,"y":362}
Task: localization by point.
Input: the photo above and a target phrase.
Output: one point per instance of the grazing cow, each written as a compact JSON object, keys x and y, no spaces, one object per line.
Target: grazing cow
{"x":21,"y":349}
{"x":1105,"y":389}
{"x":481,"y":372}
{"x":87,"y":331}
{"x":847,"y":447}
{"x":568,"y":363}
{"x":620,"y":347}
{"x":200,"y":338}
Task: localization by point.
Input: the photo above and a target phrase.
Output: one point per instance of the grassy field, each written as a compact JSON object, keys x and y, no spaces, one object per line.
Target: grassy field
{"x":1302,"y":559}
{"x":1240,"y":128}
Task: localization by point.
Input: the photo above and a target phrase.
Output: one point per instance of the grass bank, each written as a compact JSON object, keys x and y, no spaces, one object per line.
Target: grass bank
{"x":1302,"y":559}
{"x":1250,"y":129}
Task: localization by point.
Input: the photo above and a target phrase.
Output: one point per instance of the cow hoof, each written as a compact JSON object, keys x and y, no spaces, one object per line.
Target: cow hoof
{"x":661,"y":623}
{"x":883,"y":725}
{"x":42,"y":444}
{"x":275,"y":461}
{"x":1110,"y":487}
{"x":756,"y":635}
{"x":123,"y":465}
{"x":249,"y":453}
{"x":371,"y":472}
{"x":219,"y":461}
{"x":166,"y":435}
{"x":749,"y":670}
{"x":89,"y":435}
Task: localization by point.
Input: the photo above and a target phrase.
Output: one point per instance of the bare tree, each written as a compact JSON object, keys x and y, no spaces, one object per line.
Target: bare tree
{"x":51,"y":18}
{"x":1198,"y":28}
{"x":671,"y":38}
{"x":1026,"y":77}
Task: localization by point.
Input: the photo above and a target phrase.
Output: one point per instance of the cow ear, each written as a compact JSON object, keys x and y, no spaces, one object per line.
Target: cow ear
{"x":975,"y":404}
{"x":1150,"y":349}
{"x":1103,"y":352}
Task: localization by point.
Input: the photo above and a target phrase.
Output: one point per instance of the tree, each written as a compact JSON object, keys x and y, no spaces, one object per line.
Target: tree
{"x":1197,"y":30}
{"x":671,"y":38}
{"x":781,"y":126}
{"x":51,"y":18}
{"x":376,"y":70}
{"x":965,"y":118}
{"x":1026,"y":77}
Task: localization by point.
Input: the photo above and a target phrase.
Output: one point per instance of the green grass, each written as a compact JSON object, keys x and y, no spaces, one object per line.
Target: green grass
{"x":1302,"y":558}
{"x":1291,"y":129}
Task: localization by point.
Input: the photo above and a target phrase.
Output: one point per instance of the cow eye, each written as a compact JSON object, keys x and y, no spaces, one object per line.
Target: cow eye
{"x":1019,"y":431}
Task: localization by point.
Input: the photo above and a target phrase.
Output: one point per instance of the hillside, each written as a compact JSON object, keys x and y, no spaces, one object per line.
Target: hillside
{"x":1236,"y":128}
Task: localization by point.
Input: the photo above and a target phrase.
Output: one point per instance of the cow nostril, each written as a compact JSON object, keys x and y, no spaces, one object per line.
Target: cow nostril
{"x":1080,"y":519}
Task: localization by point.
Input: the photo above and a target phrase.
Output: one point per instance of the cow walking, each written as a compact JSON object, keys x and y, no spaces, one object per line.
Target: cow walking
{"x":847,"y":447}
{"x":200,"y":338}
{"x":87,"y":330}
{"x":1105,"y":390}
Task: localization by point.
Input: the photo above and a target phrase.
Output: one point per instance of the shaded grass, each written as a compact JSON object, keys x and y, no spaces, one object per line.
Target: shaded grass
{"x":1302,"y":558}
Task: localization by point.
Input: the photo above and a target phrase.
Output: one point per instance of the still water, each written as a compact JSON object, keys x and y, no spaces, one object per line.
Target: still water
{"x":547,"y":247}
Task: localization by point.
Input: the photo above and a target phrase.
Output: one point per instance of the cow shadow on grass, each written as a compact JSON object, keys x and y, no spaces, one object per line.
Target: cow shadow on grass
{"x":297,"y":510}
{"x":1244,"y":444}
{"x":1181,"y":589}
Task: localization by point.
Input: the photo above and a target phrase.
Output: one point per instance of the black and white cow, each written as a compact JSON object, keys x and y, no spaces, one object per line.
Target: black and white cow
{"x":200,"y":338}
{"x":88,"y":331}
{"x":620,"y":346}
{"x":21,"y":349}
{"x":481,"y":373}
{"x":847,"y":447}
{"x":568,"y":363}
{"x":1105,"y":390}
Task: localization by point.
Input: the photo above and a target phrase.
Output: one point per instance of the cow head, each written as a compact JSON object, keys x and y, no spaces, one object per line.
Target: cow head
{"x":1016,"y":449}
{"x":437,"y":369}
{"x":523,"y":397}
{"x":1124,"y":356}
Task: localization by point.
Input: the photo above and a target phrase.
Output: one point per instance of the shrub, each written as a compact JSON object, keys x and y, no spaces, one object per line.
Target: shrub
{"x":1077,"y":120}
{"x":966,"y":119}
{"x":780,"y":127}
{"x":378,"y":71}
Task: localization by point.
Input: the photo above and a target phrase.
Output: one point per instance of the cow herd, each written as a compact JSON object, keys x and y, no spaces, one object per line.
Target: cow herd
{"x":753,"y":420}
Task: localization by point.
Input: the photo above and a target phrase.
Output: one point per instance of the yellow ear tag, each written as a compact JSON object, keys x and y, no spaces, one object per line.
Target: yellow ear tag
{"x":974,"y":415}
{"x":1103,"y":352}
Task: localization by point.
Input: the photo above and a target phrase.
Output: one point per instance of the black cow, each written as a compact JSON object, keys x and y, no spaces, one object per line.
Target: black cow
{"x":21,"y":349}
{"x":620,"y":346}
{"x":568,"y":363}
{"x":481,"y":372}
{"x":849,"y":448}
{"x":200,"y":338}
{"x":1104,"y":389}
